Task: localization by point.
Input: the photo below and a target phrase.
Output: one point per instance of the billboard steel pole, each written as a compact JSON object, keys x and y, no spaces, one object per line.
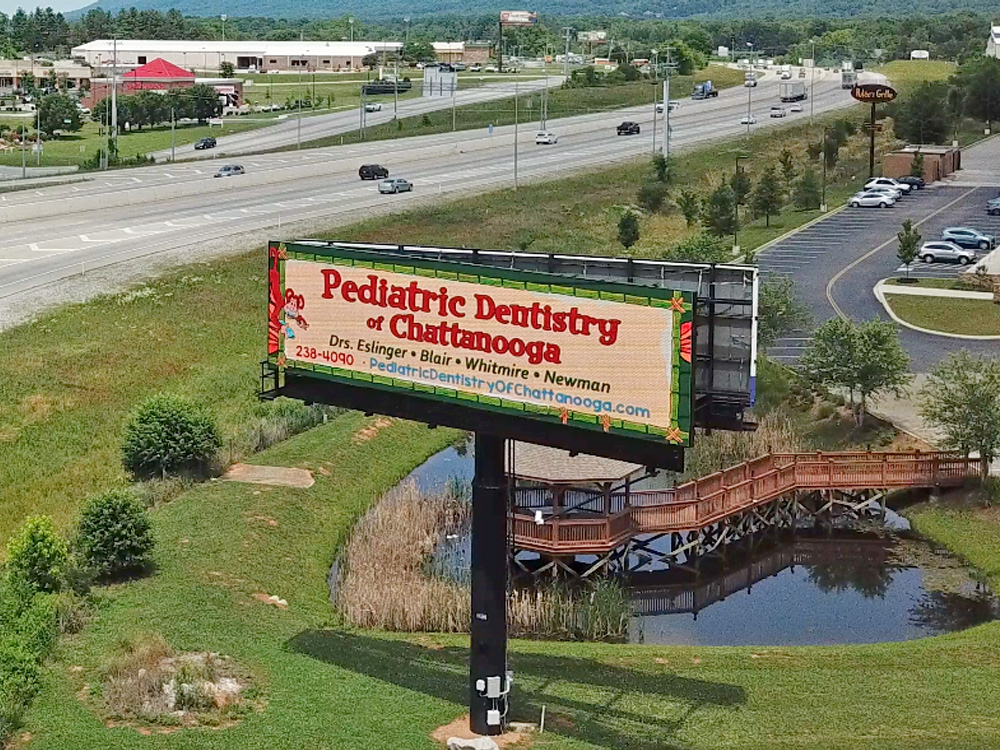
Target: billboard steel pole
{"x":488,"y":684}
{"x":871,"y":145}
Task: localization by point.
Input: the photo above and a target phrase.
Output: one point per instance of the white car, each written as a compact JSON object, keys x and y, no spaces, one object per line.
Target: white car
{"x":543,"y":137}
{"x":778,"y":112}
{"x":795,"y":108}
{"x":475,"y":68}
{"x":671,"y":105}
{"x":875,"y":182}
{"x":373,"y":107}
{"x":942,"y":250}
{"x":748,"y":120}
{"x":785,"y":75}
{"x":871,"y":199}
{"x":885,"y":190}
{"x":490,"y":69}
{"x":750,"y":83}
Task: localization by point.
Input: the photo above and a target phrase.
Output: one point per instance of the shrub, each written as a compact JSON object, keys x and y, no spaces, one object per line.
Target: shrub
{"x":169,"y":435}
{"x":651,"y":196}
{"x":37,"y":555}
{"x":18,"y":685}
{"x":114,"y":536}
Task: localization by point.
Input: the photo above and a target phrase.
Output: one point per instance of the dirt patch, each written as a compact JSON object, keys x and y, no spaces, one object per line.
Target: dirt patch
{"x":271,"y":599}
{"x":367,"y":433}
{"x":277,"y":476}
{"x":460,"y":728}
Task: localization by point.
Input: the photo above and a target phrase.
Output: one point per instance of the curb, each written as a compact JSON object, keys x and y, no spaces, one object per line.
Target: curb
{"x":880,"y":296}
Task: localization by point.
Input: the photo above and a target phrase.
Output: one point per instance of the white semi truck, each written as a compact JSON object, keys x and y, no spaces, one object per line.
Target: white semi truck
{"x":792,"y":91}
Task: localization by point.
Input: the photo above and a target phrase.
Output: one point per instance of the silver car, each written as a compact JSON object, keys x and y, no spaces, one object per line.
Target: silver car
{"x":875,"y":182}
{"x":395,"y":185}
{"x":871,"y":199}
{"x":941,"y":250}
{"x":885,"y":190}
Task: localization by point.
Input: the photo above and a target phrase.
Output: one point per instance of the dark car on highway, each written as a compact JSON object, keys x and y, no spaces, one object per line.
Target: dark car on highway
{"x":628,"y":128}
{"x":204,"y":143}
{"x":373,"y":172}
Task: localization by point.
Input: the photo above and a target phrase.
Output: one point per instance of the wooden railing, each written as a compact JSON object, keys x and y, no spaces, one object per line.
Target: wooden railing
{"x":714,"y":497}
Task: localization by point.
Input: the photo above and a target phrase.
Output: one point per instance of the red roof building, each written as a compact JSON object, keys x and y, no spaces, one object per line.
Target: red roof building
{"x":158,"y":75}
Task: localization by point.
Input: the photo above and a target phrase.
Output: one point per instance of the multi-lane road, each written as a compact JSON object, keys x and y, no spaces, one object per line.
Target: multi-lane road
{"x":138,"y":219}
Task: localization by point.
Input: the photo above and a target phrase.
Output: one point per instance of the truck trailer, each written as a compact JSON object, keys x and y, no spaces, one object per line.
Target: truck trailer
{"x":792,"y":91}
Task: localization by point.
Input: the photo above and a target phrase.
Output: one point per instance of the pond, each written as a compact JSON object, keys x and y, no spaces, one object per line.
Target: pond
{"x":852,"y":583}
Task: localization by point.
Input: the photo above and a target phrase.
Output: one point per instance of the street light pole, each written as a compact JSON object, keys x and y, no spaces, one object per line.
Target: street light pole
{"x":822,"y":202}
{"x":566,"y":32}
{"x":666,"y":104}
{"x":223,"y":17}
{"x":173,"y":122}
{"x":812,"y":84}
{"x":515,"y":134}
{"x":749,"y":88}
{"x":736,"y":211}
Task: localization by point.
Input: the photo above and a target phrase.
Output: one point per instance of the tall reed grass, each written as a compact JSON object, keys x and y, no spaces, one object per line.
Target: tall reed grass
{"x":384,"y":581}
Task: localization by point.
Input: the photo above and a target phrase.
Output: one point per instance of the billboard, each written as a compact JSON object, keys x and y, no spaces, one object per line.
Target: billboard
{"x":873,"y":93}
{"x":605,"y":357}
{"x":593,"y":37}
{"x":518,"y":18}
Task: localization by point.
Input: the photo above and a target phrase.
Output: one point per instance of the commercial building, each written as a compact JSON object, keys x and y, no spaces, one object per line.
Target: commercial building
{"x":465,"y":52}
{"x":244,"y":56}
{"x":939,"y":161}
{"x":993,"y":43}
{"x":161,"y":75}
{"x":68,"y":73}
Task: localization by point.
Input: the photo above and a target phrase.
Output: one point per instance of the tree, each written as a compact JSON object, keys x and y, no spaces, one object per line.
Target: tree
{"x":977,"y":87}
{"x":226,"y":69}
{"x":652,"y":195}
{"x":808,"y":192}
{"x":114,"y":536}
{"x":418,"y":51}
{"x":37,"y":555}
{"x":866,"y":360}
{"x":917,"y":165}
{"x":663,"y":168}
{"x":628,"y":229}
{"x":788,"y":172}
{"x":370,"y":61}
{"x":779,"y":311}
{"x":690,"y":205}
{"x":962,"y":399}
{"x":741,"y":186}
{"x":698,"y":248}
{"x":909,"y":245}
{"x":719,"y":213}
{"x":169,"y":435}
{"x":767,"y":198}
{"x":814,"y":150}
{"x":59,"y":112}
{"x":203,"y":102}
{"x":923,"y":116}
{"x":831,"y":150}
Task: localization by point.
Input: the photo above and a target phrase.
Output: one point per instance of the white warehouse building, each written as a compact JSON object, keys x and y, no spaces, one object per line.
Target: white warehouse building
{"x":245,"y":56}
{"x":993,"y":43}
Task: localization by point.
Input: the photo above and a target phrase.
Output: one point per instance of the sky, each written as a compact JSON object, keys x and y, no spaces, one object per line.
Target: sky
{"x":60,"y":6}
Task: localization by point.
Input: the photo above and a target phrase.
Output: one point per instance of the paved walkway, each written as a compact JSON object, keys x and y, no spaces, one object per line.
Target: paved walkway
{"x":926,"y":291}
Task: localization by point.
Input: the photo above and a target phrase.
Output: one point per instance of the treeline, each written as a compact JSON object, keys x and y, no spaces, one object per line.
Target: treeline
{"x":949,"y":36}
{"x":148,"y":108}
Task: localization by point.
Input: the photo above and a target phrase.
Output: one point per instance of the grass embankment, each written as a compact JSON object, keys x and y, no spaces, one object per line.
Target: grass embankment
{"x":328,"y":687}
{"x":562,"y":102}
{"x":972,"y":317}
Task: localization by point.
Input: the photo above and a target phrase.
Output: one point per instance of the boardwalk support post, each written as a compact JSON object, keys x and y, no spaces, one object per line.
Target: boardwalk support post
{"x":488,"y":681}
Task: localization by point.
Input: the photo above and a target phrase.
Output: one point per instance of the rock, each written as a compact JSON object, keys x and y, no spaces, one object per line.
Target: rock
{"x":476,"y":743}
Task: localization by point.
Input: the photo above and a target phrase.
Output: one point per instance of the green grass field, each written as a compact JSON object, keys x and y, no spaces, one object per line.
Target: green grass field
{"x":949,"y":315}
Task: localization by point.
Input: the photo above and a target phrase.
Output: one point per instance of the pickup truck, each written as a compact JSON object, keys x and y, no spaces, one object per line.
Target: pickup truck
{"x":704,"y":90}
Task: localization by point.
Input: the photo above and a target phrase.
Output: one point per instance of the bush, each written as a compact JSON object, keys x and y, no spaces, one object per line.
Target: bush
{"x":18,"y":685}
{"x":652,"y":195}
{"x":169,"y":435}
{"x":37,"y":555}
{"x":114,"y":536}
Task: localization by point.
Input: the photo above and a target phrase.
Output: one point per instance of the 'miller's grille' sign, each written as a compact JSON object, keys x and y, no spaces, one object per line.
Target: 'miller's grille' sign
{"x":611,"y":357}
{"x":876,"y":93}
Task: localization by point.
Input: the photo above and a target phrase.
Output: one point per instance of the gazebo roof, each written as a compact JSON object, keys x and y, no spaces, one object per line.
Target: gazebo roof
{"x":540,"y":463}
{"x":159,"y":69}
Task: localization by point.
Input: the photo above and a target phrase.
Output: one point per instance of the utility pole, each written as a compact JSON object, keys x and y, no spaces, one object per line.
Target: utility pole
{"x":395,"y":87}
{"x":24,"y":163}
{"x":38,"y":134}
{"x":173,"y":122}
{"x":666,"y":103}
{"x":566,"y":32}
{"x":812,"y":84}
{"x":454,"y":86}
{"x":515,"y":134}
{"x":114,"y":99}
{"x":298,"y":126}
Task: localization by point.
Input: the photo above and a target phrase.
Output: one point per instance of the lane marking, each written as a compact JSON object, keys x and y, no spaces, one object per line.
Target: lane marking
{"x":854,"y":264}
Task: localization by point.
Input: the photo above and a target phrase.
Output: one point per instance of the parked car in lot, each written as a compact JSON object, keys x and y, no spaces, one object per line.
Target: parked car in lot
{"x":778,"y":112}
{"x":896,"y":194}
{"x":968,"y":237}
{"x":941,"y":250}
{"x":914,"y":182}
{"x":373,"y":172}
{"x":870,"y":199}
{"x":543,"y":137}
{"x":490,"y":69}
{"x":628,"y":128}
{"x":230,"y":170}
{"x":993,"y":207}
{"x":475,"y":68}
{"x":395,"y":185}
{"x":748,"y":120}
{"x":204,"y":143}
{"x":373,"y":107}
{"x":877,"y":182}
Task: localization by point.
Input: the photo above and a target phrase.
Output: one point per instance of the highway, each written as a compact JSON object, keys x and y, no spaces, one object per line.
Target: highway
{"x":138,"y":220}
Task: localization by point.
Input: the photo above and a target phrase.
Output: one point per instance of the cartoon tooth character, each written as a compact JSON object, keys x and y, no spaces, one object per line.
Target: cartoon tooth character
{"x":293,"y":312}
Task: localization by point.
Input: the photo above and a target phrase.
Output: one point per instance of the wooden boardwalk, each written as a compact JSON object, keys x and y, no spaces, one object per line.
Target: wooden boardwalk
{"x":605,"y":523}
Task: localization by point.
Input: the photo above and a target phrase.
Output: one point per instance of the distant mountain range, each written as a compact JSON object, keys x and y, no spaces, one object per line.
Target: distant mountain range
{"x":373,"y":10}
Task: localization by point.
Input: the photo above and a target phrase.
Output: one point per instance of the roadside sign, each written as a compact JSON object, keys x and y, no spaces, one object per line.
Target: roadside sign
{"x":518,"y":18}
{"x":873,"y":93}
